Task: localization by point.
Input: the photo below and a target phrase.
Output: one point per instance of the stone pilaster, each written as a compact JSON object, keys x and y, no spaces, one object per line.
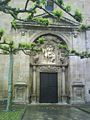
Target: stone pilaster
{"x":63,"y":86}
{"x":34,"y":85}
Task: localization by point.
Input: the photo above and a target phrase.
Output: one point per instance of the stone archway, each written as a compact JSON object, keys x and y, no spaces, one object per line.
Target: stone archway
{"x":50,"y":60}
{"x":59,"y":35}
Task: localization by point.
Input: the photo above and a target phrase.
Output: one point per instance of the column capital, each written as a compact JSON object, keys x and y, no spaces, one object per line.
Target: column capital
{"x":63,"y":69}
{"x":34,"y":68}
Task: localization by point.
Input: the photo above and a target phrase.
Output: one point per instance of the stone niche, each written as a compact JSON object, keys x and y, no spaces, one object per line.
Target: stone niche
{"x":78,"y":93}
{"x":20,"y":92}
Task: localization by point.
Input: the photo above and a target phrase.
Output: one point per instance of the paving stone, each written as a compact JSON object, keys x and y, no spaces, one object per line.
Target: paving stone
{"x":54,"y":113}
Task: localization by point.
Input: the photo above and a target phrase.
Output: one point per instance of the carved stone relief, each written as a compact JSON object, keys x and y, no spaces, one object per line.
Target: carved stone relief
{"x":49,"y":68}
{"x":78,"y":92}
{"x":49,"y":56}
{"x":20,"y":91}
{"x":36,"y":58}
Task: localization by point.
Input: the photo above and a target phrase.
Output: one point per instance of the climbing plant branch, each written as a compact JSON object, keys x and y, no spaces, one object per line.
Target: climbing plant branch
{"x":68,"y":52}
{"x":7,"y":46}
{"x":26,"y":4}
{"x":37,"y":4}
{"x":62,"y":7}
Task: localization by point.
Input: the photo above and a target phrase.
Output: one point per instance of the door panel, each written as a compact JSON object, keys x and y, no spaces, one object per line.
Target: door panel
{"x":48,"y":88}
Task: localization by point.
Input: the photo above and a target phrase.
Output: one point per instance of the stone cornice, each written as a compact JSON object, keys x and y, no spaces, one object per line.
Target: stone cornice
{"x":52,"y":65}
{"x":32,"y":25}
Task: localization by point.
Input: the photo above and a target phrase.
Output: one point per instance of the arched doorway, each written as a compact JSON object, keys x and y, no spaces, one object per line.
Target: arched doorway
{"x":50,"y":72}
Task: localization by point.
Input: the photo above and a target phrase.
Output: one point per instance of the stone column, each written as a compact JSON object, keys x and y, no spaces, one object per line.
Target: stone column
{"x":34,"y":85}
{"x":59,"y":85}
{"x":63,"y":86}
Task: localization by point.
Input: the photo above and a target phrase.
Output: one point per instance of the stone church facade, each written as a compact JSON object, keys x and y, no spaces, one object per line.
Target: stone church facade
{"x":49,"y":76}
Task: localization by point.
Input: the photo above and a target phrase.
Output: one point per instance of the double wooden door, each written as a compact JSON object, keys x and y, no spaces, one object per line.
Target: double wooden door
{"x":48,"y":88}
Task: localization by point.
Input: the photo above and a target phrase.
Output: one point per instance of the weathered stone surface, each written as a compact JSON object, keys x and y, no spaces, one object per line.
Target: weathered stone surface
{"x":54,"y":112}
{"x":77,"y":74}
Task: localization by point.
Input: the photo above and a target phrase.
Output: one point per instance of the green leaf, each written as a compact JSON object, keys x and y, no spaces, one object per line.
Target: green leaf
{"x":5,"y":52}
{"x":8,"y":39}
{"x":83,"y":27}
{"x":41,"y":40}
{"x":1,"y":32}
{"x":42,"y":21}
{"x":73,"y":51}
{"x":68,"y":8}
{"x":62,"y":46}
{"x":60,"y":2}
{"x":4,"y":47}
{"x":58,"y":13}
{"x":27,"y":45}
{"x":78,"y":16}
{"x":13,"y":23}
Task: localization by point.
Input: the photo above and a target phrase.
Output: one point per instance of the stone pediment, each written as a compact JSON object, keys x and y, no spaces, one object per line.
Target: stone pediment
{"x":54,"y":23}
{"x":64,"y":21}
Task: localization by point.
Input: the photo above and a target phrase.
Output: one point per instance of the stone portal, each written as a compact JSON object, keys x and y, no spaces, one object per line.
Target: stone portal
{"x":49,"y":73}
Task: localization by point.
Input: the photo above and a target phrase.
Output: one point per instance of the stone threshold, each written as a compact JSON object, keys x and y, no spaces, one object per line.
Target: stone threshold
{"x":42,"y":104}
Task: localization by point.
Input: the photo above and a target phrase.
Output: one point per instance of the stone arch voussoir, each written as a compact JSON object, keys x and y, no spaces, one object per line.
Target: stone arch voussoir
{"x":59,"y":35}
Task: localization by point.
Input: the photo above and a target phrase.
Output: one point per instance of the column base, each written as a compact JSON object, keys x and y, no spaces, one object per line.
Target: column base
{"x":33,"y":98}
{"x":64,"y":99}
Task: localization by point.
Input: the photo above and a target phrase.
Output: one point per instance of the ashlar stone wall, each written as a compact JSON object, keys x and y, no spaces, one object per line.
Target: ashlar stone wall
{"x":79,"y":69}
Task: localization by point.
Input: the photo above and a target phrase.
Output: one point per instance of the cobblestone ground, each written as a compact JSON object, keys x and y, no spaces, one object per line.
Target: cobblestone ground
{"x":39,"y":112}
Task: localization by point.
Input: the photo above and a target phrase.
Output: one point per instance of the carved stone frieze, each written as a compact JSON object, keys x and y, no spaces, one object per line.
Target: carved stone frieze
{"x":48,"y":68}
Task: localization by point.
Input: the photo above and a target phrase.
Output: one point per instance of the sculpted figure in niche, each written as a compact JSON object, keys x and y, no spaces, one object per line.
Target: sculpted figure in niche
{"x":49,"y":54}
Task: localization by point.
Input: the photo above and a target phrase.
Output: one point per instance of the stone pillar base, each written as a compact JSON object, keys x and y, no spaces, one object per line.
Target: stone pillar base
{"x":33,"y":98}
{"x":64,"y":99}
